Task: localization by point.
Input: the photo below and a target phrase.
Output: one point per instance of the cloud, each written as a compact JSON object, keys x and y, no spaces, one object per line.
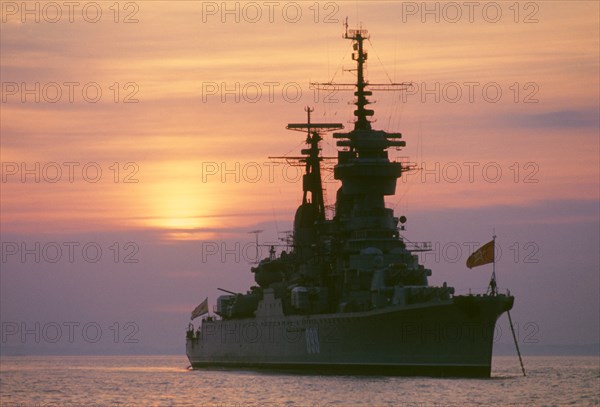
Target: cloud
{"x":558,"y":119}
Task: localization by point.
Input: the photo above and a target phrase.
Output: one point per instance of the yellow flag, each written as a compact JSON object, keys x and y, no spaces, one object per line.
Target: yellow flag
{"x":200,"y":309}
{"x":483,"y":255}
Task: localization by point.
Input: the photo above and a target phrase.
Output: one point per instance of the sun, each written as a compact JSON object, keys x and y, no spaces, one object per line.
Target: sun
{"x":176,"y":200}
{"x":181,"y":205}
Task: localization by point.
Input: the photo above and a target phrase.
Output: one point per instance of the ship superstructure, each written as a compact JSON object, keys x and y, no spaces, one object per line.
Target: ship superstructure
{"x":350,"y":294}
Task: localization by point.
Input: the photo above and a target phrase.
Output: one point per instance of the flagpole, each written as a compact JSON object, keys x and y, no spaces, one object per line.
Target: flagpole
{"x":493,"y":282}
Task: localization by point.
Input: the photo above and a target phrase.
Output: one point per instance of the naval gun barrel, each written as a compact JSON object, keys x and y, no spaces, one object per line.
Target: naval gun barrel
{"x":227,"y":291}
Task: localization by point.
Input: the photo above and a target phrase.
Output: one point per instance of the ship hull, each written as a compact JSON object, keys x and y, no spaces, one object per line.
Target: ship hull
{"x":443,"y":338}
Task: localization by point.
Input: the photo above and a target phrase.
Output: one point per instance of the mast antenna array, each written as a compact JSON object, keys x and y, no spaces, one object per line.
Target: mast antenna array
{"x":361,"y":93}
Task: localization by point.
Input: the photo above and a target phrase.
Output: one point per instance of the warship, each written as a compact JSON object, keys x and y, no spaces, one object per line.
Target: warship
{"x":349,"y":295}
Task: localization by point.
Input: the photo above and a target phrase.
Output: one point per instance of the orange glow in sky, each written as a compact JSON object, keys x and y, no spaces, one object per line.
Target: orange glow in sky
{"x":196,"y":107}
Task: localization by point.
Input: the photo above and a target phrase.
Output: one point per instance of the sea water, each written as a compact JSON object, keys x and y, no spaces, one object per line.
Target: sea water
{"x":128,"y":381}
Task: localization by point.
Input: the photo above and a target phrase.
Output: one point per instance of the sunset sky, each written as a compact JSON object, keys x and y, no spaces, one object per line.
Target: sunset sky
{"x":136,"y":136}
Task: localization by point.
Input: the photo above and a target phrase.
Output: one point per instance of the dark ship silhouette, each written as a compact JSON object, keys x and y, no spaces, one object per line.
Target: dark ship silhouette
{"x":350,"y":295}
